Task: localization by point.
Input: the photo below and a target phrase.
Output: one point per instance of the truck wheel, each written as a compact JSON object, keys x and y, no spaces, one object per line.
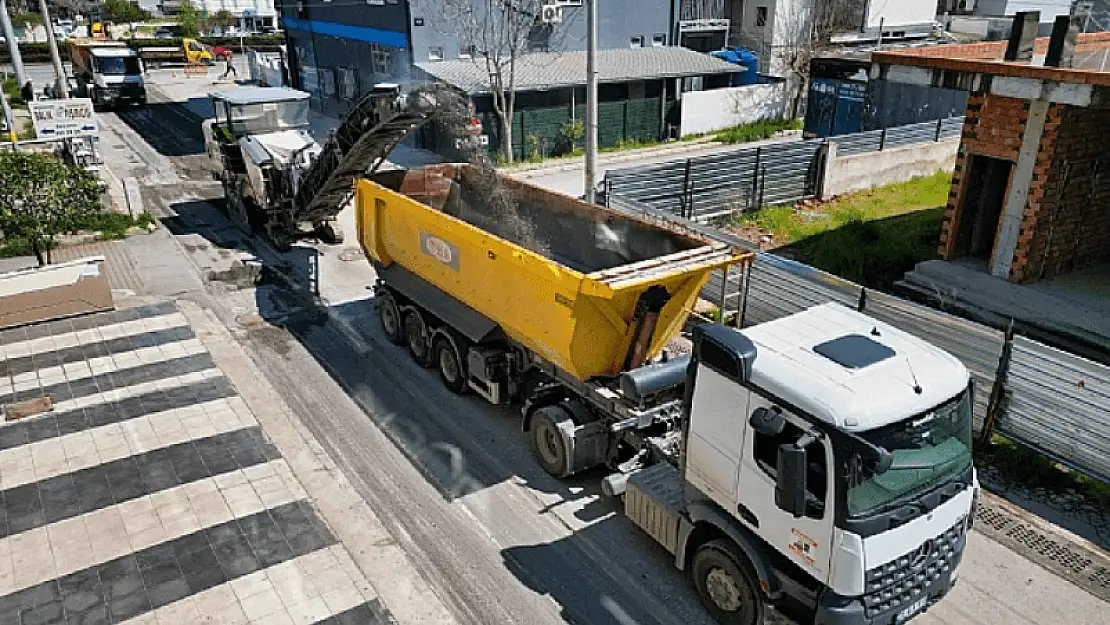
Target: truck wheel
{"x":416,"y":333}
{"x":329,"y":232}
{"x":726,"y":584}
{"x":547,"y":443}
{"x":449,"y":362}
{"x":390,"y":317}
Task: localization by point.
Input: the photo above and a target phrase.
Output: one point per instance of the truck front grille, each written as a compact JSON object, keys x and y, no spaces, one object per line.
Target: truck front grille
{"x":905,"y":579}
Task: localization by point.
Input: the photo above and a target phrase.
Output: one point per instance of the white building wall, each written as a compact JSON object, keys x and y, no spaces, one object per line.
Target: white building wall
{"x":894,"y":13}
{"x":716,"y":109}
{"x":253,"y":8}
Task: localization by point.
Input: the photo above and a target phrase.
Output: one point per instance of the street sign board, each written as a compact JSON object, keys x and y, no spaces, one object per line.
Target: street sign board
{"x":63,"y":118}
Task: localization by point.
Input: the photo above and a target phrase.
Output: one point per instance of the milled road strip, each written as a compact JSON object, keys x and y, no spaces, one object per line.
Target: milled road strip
{"x":81,"y":450}
{"x":170,"y":569}
{"x":196,"y":396}
{"x":404,"y":592}
{"x":113,"y":531}
{"x":307,"y":589}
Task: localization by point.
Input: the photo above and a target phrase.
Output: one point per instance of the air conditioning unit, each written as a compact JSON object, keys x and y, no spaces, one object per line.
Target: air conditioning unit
{"x":551,"y":14}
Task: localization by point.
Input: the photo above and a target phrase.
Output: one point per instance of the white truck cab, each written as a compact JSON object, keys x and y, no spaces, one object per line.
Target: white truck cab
{"x":827,"y":457}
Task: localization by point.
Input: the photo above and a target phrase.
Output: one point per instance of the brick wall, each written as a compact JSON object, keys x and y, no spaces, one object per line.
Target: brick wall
{"x":1066,"y":224}
{"x":993,"y":126}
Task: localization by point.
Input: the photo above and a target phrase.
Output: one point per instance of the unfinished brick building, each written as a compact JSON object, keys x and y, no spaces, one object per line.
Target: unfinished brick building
{"x":1031,"y":191}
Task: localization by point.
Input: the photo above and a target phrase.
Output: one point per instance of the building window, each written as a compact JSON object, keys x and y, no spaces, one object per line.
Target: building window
{"x":435,"y":53}
{"x":761,"y":16}
{"x":638,"y":41}
{"x":348,"y":82}
{"x":658,"y":40}
{"x":466,"y":52}
{"x":327,"y":82}
{"x":380,"y":59}
{"x":374,"y":2}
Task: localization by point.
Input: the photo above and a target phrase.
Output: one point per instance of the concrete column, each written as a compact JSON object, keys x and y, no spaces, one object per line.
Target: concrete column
{"x":827,"y":156}
{"x":1006,"y":243}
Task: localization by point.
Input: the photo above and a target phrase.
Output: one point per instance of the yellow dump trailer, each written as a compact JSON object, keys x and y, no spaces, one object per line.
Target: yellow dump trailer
{"x":524,"y":295}
{"x":567,"y":288}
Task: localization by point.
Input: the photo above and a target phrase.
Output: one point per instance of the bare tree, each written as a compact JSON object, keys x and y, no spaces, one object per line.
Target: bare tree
{"x":496,"y":34}
{"x":803,"y":29}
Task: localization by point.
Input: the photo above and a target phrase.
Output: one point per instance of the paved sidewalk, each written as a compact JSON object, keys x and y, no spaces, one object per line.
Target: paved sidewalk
{"x":153,"y":492}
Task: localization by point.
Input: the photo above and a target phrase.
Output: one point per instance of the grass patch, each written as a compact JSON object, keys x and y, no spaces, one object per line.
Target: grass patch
{"x":755,"y":131}
{"x":1020,"y":465}
{"x":108,"y":225}
{"x":12,"y":94}
{"x":871,"y":237}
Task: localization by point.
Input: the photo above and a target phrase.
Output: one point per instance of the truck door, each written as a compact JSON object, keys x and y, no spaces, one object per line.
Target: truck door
{"x":716,"y":436}
{"x":804,"y":540}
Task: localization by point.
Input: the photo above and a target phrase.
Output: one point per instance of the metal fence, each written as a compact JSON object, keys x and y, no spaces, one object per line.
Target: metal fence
{"x":1046,"y":399}
{"x":708,"y":187}
{"x":911,"y":134}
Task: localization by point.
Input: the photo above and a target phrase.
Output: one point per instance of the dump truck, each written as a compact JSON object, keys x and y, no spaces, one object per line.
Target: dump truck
{"x":188,"y":51}
{"x":107,"y":72}
{"x":822,"y":458}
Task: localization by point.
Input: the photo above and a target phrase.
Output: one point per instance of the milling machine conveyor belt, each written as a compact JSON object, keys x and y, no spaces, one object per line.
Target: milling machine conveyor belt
{"x":368,"y":133}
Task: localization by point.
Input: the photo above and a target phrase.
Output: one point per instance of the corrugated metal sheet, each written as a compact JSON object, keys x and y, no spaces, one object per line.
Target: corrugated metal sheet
{"x":1059,"y":403}
{"x":779,"y":287}
{"x":911,"y":134}
{"x":979,"y":347}
{"x":718,"y":185}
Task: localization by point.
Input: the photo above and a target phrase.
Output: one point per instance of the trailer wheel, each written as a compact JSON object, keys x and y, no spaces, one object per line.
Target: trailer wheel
{"x":547,"y":443}
{"x":390,"y":317}
{"x":449,"y":362}
{"x":416,"y":333}
{"x":726,"y":584}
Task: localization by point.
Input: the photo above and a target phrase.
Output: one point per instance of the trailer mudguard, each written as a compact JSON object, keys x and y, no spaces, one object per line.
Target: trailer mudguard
{"x":751,"y":546}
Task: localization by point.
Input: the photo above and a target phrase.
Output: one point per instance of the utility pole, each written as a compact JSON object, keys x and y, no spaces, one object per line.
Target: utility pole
{"x":13,"y":45}
{"x":591,"y":101}
{"x":59,"y":69}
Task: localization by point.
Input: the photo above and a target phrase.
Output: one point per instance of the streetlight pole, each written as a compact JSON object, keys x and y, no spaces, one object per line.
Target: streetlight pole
{"x":591,"y":101}
{"x":13,"y":45}
{"x":59,"y":69}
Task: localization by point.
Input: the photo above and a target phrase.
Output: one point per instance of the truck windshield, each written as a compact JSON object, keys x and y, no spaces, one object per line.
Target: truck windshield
{"x":118,"y":65}
{"x":269,"y":116}
{"x":925,"y":450}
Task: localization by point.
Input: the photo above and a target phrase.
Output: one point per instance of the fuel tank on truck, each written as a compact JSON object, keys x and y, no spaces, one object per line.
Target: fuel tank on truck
{"x":560,"y":276}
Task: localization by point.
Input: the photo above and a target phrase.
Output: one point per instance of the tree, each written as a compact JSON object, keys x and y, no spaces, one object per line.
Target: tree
{"x":497,"y":33}
{"x":122,"y":12}
{"x":42,"y":197}
{"x":188,"y":19}
{"x":804,"y":30}
{"x":223,"y":18}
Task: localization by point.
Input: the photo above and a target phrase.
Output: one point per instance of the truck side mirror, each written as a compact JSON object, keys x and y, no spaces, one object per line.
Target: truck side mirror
{"x":790,"y":486}
{"x":767,"y":421}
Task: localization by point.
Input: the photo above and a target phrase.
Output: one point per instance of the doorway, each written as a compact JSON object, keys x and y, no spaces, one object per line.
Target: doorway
{"x":988,"y":180}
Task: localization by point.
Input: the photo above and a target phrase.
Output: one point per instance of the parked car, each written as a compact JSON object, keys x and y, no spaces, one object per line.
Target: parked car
{"x":163,"y":33}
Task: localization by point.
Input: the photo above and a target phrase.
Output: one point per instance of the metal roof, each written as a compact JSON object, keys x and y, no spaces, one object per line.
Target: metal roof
{"x":541,"y":71}
{"x":259,"y":95}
